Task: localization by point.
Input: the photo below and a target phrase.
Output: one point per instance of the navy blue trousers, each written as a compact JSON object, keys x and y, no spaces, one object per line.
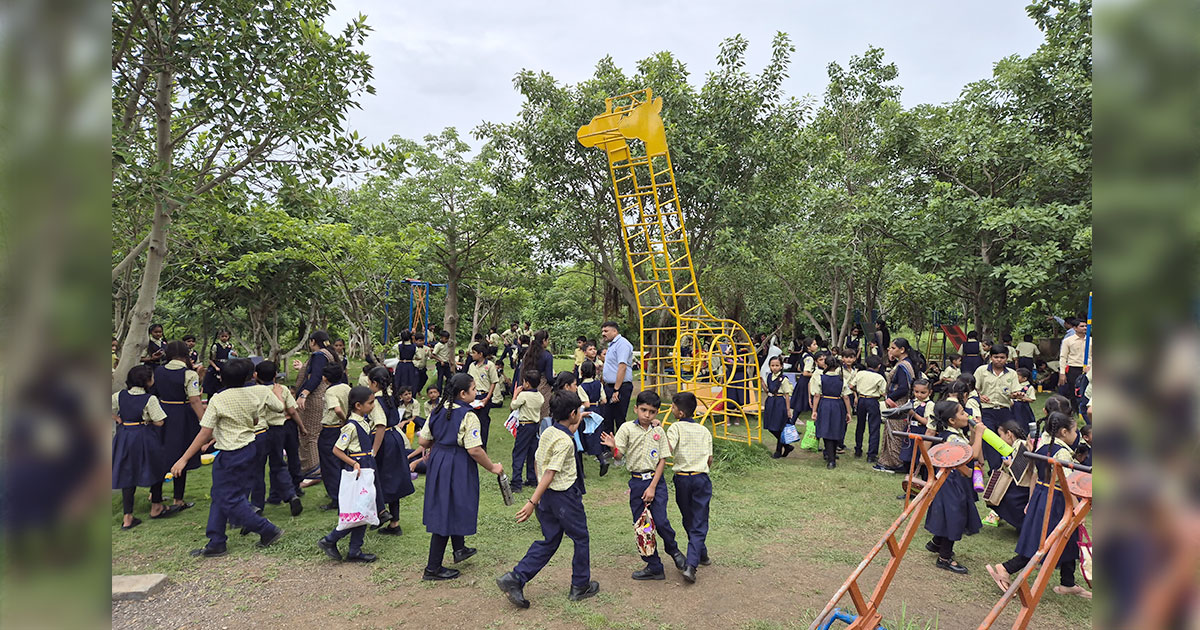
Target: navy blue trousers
{"x":331,"y":466}
{"x":868,"y":418}
{"x":658,"y":510}
{"x":524,"y":449}
{"x":269,"y":445}
{"x":289,"y":438}
{"x":614,"y":413}
{"x":232,"y":478}
{"x":356,"y":538}
{"x":693,"y":494}
{"x":559,"y":513}
{"x":992,"y":419}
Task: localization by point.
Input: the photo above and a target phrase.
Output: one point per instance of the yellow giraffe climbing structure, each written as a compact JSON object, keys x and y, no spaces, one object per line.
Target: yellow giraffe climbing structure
{"x":721,"y":365}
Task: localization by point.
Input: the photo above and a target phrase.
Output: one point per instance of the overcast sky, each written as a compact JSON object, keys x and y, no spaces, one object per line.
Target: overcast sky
{"x":451,"y":62}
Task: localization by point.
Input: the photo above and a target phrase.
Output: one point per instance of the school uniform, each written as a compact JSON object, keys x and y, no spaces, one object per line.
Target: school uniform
{"x":972,"y":358}
{"x":1022,"y":410}
{"x":998,"y":388}
{"x":393,"y":477}
{"x":580,"y":357}
{"x":1011,"y":508}
{"x":331,"y":427}
{"x":642,"y":449}
{"x":948,"y":376}
{"x":174,"y":385}
{"x":137,"y":454}
{"x":774,"y":413}
{"x":452,"y":482}
{"x":363,"y":381}
{"x":870,"y":387}
{"x":831,"y":411}
{"x":908,"y":445}
{"x":406,"y":369}
{"x":153,"y":346}
{"x":421,"y":358}
{"x":486,"y":376}
{"x":560,"y":510}
{"x":268,"y":442}
{"x":1026,"y":351}
{"x":1030,"y":537}
{"x":528,"y":405}
{"x":220,"y":353}
{"x":591,"y":393}
{"x":232,"y":415}
{"x":354,"y":439}
{"x":952,"y":513}
{"x":443,"y":353}
{"x":801,"y":398}
{"x":691,"y":447}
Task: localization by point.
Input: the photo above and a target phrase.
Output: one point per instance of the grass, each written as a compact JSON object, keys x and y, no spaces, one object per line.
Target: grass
{"x":762,"y":509}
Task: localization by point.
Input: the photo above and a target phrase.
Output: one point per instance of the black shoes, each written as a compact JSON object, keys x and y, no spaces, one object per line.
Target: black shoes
{"x":577,"y":593}
{"x":604,"y":467}
{"x":858,"y":452}
{"x":510,"y":585}
{"x":646,"y":574}
{"x":441,"y":574}
{"x":689,"y":574}
{"x":870,"y":459}
{"x":931,"y":548}
{"x":296,"y":505}
{"x":787,"y":449}
{"x":266,"y":539}
{"x":330,"y":506}
{"x":390,"y":531}
{"x":776,"y":455}
{"x":463,"y":554}
{"x":704,"y":561}
{"x":831,"y":464}
{"x":330,"y":549}
{"x":361,"y":557}
{"x":951,"y":566}
{"x":134,"y":523}
{"x":207,"y":552}
{"x":680,"y":560}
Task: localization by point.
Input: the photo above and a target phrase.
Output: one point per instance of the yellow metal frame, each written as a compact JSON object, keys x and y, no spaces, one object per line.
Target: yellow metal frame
{"x":659,"y":258}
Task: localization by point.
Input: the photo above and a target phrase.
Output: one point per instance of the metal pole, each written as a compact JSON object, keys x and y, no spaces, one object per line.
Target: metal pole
{"x":428,"y":289}
{"x":387,"y":292}
{"x":1087,"y":341}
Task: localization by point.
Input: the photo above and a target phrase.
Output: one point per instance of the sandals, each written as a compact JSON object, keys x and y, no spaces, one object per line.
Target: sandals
{"x":168,"y":512}
{"x":134,"y":523}
{"x":997,"y":577}
{"x":1076,"y":590}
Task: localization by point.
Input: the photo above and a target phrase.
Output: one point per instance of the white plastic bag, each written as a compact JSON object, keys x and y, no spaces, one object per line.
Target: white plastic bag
{"x":356,"y":499}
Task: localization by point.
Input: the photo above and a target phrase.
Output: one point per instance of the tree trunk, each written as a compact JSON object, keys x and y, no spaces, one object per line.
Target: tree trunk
{"x":156,"y":251}
{"x":450,"y":315}
{"x":475,"y":315}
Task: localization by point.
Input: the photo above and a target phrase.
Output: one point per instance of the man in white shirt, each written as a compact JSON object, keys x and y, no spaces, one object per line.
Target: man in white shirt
{"x":617,"y":376}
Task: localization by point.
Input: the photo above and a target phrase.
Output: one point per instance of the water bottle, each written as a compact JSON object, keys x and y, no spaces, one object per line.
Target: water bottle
{"x":977,"y":478}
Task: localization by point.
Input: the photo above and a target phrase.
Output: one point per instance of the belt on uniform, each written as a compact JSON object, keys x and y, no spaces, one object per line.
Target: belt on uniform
{"x":524,"y":422}
{"x":769,"y":395}
{"x":404,"y":360}
{"x":688,"y":474}
{"x":642,"y":475}
{"x":359,"y":454}
{"x":861,"y":397}
{"x":173,"y":402}
{"x":132,"y":424}
{"x":1043,"y":483}
{"x":258,"y":431}
{"x":971,"y":355}
{"x":333,"y":426}
{"x":831,"y":397}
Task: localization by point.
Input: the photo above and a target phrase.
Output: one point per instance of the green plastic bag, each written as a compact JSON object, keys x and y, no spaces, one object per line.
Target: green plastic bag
{"x":810,"y":441}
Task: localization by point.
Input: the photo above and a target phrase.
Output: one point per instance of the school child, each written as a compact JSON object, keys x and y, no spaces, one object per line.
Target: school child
{"x":1007,"y":339}
{"x":406,"y":369}
{"x":410,"y":411}
{"x":269,"y":440}
{"x":487,"y":381}
{"x":1083,"y":448}
{"x":333,"y":418}
{"x":443,"y":357}
{"x":421,"y":356}
{"x":972,"y":356}
{"x":918,"y":422}
{"x":1056,"y":403}
{"x":452,"y":482}
{"x":393,"y":479}
{"x":591,"y":392}
{"x":831,"y":408}
{"x":869,"y":386}
{"x":339,"y":350}
{"x":995,"y":383}
{"x":566,"y":381}
{"x":218,"y":355}
{"x":847,"y":358}
{"x":155,"y":347}
{"x":1062,"y":427}
{"x":494,"y":341}
{"x":194,"y":357}
{"x":952,"y":512}
{"x":644,"y":447}
{"x":431,"y":401}
{"x":801,"y":398}
{"x":354,"y":450}
{"x":558,"y":503}
{"x":527,"y":402}
{"x":177,"y":388}
{"x":137,"y":453}
{"x":691,"y":447}
{"x":580,"y":357}
{"x":1026,"y":353}
{"x":1026,"y":394}
{"x":948,"y":375}
{"x":963,"y":390}
{"x":1012,"y":507}
{"x":229,"y":423}
{"x":777,"y":410}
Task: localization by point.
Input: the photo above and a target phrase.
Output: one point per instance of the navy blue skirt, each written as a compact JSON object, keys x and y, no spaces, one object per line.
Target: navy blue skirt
{"x":395,"y":480}
{"x":406,"y":374}
{"x":451,"y":492}
{"x":831,"y":419}
{"x":1031,"y":532}
{"x":800,"y":397}
{"x":1012,"y":506}
{"x":1023,"y":414}
{"x":137,"y":457}
{"x":952,"y":514}
{"x":178,"y":431}
{"x":775,"y":414}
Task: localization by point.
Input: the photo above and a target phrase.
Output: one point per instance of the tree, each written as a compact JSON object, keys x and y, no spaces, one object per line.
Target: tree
{"x":210,"y":93}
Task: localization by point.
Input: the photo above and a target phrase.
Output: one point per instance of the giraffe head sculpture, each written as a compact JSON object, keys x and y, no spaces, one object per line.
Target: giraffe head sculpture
{"x":612,"y":128}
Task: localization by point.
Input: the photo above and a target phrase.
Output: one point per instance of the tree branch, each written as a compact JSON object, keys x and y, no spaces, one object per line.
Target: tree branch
{"x":130,"y":257}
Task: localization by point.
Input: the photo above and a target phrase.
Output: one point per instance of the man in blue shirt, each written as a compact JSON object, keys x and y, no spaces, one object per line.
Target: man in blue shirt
{"x":617,"y":375}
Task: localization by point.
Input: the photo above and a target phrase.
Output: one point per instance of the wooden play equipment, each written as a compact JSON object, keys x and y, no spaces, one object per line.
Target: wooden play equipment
{"x":418,"y":306}
{"x":1077,"y":493}
{"x":722,"y":370}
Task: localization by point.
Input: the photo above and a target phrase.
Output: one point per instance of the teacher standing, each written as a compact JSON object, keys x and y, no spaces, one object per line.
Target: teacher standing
{"x":310,"y":396}
{"x":618,"y":376}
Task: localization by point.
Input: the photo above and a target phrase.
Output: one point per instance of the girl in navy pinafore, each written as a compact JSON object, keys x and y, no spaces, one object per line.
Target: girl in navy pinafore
{"x":137,"y":457}
{"x":806,"y":365}
{"x":952,"y":512}
{"x":831,"y":415}
{"x":452,"y":480}
{"x":180,"y":400}
{"x":972,"y":358}
{"x":1012,"y":507}
{"x":775,"y":410}
{"x":406,"y":368}
{"x":393,"y":477}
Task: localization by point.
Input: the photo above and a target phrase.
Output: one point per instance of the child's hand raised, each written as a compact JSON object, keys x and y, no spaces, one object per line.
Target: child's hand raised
{"x":608,"y":440}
